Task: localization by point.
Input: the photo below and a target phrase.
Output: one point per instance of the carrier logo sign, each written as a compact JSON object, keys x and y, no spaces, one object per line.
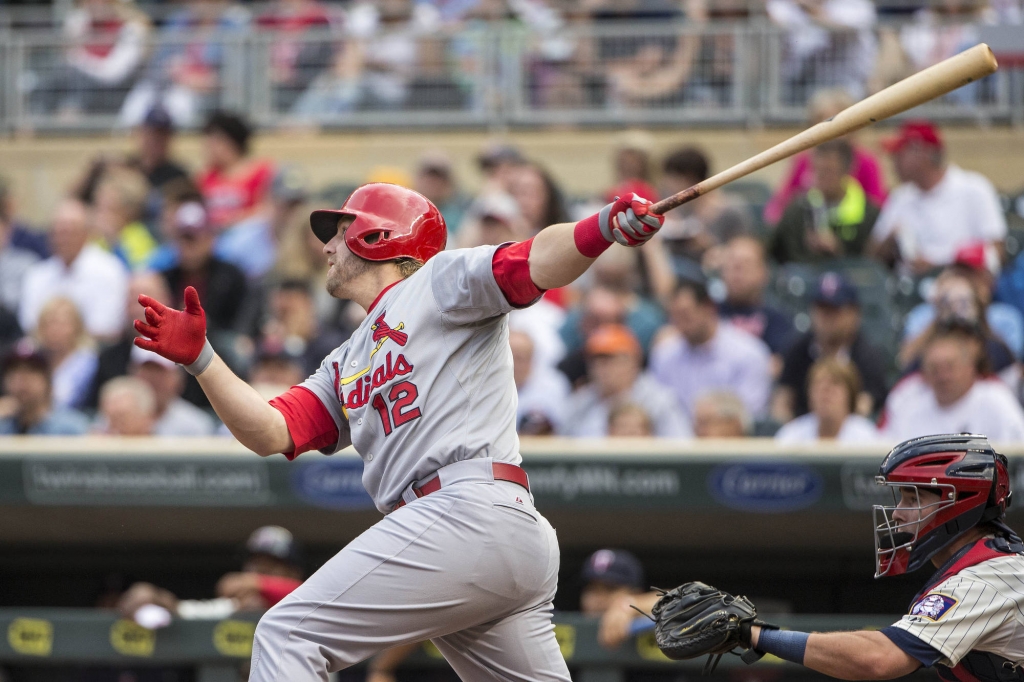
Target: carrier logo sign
{"x":333,"y":483}
{"x":766,"y":487}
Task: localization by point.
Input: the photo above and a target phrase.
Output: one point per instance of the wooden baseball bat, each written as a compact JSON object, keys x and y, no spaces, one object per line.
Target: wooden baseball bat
{"x":935,"y":81}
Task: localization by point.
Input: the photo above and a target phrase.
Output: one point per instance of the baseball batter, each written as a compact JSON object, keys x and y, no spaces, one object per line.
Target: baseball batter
{"x":951,"y":493}
{"x":423,"y":390}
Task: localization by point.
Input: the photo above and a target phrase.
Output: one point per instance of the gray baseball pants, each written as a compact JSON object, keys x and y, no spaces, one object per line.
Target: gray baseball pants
{"x":472,"y":567}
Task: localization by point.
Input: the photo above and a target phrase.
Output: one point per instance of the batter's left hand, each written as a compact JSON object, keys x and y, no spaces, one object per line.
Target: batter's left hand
{"x":629,"y":221}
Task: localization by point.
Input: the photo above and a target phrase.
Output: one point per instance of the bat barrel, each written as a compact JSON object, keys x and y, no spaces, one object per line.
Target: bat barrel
{"x":926,"y":85}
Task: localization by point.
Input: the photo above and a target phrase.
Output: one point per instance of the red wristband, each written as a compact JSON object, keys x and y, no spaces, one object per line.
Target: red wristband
{"x":589,"y":240}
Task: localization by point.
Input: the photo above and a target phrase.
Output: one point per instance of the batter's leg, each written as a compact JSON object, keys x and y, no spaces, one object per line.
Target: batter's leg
{"x":519,"y":648}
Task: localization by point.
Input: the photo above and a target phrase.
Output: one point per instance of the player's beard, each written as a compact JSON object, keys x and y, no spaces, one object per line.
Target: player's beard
{"x":342,"y":273}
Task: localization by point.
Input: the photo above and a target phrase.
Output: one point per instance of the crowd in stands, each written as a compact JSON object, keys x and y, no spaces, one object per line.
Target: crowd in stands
{"x":322,"y":60}
{"x":691,"y":336}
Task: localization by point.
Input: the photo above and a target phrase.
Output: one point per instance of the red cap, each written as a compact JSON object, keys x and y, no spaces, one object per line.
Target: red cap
{"x":972,"y":256}
{"x":638,"y":187}
{"x":613,"y":339}
{"x":920,"y":131}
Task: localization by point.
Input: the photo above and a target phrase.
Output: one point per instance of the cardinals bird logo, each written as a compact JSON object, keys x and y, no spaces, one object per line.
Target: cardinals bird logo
{"x":382,"y":331}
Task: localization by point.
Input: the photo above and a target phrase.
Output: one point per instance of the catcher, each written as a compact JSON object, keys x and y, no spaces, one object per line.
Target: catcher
{"x":951,"y":493}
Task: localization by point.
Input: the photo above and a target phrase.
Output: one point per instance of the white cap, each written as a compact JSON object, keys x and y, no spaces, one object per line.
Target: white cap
{"x":141,"y":356}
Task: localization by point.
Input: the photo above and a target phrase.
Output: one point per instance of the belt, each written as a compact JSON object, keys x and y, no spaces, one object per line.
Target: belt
{"x":502,"y":472}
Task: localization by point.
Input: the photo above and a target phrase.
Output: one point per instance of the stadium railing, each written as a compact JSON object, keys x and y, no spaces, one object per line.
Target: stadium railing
{"x":215,"y":649}
{"x":485,"y":75}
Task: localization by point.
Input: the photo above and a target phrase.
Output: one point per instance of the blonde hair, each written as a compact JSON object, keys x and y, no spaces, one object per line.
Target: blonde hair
{"x":824,"y":104}
{"x":728,"y":405}
{"x":53,"y":306}
{"x":131,"y":187}
{"x":838,"y":370}
{"x":141,"y":393}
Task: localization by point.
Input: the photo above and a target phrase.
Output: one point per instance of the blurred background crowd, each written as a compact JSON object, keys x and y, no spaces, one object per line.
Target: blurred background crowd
{"x":830,"y":306}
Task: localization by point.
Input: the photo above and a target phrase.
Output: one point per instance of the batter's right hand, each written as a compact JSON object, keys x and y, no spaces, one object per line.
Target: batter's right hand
{"x":178,"y":335}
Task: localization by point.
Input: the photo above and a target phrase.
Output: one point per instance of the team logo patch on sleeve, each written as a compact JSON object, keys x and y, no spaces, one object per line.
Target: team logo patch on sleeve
{"x":933,"y":606}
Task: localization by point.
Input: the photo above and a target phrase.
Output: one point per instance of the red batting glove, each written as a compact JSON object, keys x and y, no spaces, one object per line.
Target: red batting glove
{"x":627,"y":220}
{"x":179,"y":336}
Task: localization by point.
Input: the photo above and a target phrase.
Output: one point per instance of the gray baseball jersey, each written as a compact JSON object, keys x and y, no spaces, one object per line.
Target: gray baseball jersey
{"x":426,"y":379}
{"x":981,"y":608}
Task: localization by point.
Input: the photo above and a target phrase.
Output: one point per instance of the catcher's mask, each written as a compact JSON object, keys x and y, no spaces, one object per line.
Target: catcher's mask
{"x":388,"y":222}
{"x":972,"y":486}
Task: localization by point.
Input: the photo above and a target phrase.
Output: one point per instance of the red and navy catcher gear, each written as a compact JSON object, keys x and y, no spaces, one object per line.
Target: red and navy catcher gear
{"x":973,"y":484}
{"x":388,"y":222}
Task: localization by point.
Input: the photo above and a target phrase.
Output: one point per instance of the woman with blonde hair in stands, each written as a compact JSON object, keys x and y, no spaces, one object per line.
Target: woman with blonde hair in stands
{"x":832,"y":389}
{"x":71,"y":352}
{"x":865,"y":167}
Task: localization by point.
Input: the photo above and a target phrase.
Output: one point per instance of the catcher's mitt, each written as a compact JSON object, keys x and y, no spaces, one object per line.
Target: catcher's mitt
{"x":696,"y":619}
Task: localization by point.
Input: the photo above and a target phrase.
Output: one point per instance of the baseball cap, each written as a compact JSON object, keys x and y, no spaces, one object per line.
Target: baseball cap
{"x":158,"y":119}
{"x":289,"y":185}
{"x":615,"y":567}
{"x":276,"y":542}
{"x":638,"y":187}
{"x":920,"y":131}
{"x":435,"y":162}
{"x":25,"y":355}
{"x":612,"y":339}
{"x":835,"y":290}
{"x":141,"y":356}
{"x":191,"y":217}
{"x":496,"y":205}
{"x":499,"y":153}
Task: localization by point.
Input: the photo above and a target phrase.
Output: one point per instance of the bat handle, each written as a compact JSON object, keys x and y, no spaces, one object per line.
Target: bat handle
{"x":676,"y":200}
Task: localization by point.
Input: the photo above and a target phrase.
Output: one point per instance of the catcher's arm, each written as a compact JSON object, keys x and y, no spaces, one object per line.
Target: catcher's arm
{"x":862,"y":655}
{"x":561,"y":253}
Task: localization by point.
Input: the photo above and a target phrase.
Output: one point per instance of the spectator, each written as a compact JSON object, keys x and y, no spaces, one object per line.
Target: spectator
{"x":745,"y":275}
{"x":292,"y":326}
{"x":127,"y":407}
{"x":955,"y":297}
{"x":174,"y":416}
{"x":94,"y":279}
{"x":721,"y":414}
{"x":295,"y":59}
{"x":493,"y":218}
{"x":274,"y":373}
{"x":706,"y":222}
{"x":939,"y":209}
{"x":952,"y":393}
{"x":610,"y":576}
{"x":615,"y":369}
{"x":833,"y":219}
{"x":632,"y":165}
{"x":629,"y":420}
{"x":26,"y":404}
{"x":14,"y":265}
{"x":104,"y":44}
{"x":152,"y":156}
{"x":617,"y":272}
{"x":835,"y":333}
{"x":184,"y":73}
{"x":69,"y":349}
{"x":708,"y":354}
{"x":541,"y":389}
{"x":435,"y":179}
{"x":20,"y":234}
{"x":221,"y":285}
{"x":114,"y":357}
{"x":118,"y":208}
{"x":832,"y":390}
{"x":864,"y":168}
{"x":234,"y":186}
{"x":830,"y":43}
{"x":497,"y":163}
{"x":252,"y":243}
{"x":271,"y":570}
{"x":540,"y":200}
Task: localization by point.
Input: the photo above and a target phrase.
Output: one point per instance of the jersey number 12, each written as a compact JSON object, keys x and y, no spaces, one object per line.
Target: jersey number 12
{"x":401,"y":395}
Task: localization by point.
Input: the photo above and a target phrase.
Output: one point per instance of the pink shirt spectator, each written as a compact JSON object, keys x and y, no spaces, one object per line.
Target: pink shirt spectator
{"x":865,"y":169}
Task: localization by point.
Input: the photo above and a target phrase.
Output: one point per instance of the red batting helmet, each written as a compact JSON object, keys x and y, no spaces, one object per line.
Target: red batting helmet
{"x":389,"y":222}
{"x":973,"y":487}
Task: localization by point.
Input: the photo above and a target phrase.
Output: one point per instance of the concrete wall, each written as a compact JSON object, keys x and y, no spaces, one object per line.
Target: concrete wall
{"x":42,"y":168}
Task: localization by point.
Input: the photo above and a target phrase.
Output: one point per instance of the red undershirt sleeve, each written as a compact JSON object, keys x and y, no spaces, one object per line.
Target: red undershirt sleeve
{"x":309,"y":423}
{"x":274,"y":588}
{"x":511,"y":266}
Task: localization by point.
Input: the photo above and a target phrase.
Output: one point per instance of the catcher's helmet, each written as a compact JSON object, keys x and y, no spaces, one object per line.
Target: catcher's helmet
{"x":973,"y":485}
{"x":389,"y":222}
